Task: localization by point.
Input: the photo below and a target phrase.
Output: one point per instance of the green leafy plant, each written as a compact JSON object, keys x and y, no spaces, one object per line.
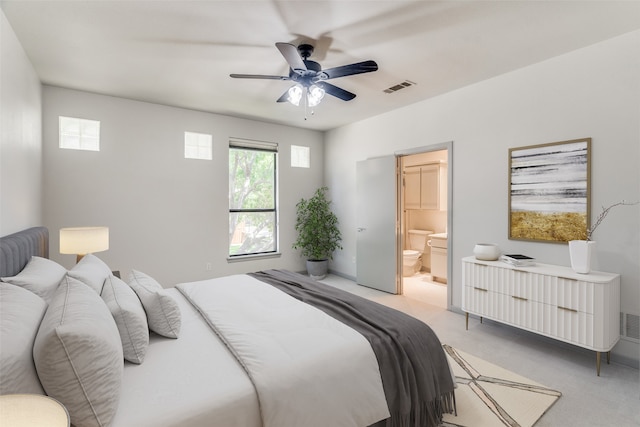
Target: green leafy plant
{"x":317,"y":227}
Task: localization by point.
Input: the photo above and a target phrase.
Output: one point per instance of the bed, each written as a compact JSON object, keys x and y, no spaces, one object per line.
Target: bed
{"x":270,"y":348}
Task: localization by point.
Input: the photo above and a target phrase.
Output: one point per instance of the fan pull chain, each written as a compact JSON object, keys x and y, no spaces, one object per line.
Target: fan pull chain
{"x":306,"y":103}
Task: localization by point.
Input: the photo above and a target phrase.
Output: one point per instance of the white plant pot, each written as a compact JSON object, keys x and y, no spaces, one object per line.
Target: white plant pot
{"x":580,"y":253}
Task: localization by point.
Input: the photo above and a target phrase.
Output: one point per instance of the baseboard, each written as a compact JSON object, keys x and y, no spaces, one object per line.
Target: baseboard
{"x":344,"y":276}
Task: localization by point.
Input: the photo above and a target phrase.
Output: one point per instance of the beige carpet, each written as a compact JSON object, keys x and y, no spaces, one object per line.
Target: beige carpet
{"x":490,"y":396}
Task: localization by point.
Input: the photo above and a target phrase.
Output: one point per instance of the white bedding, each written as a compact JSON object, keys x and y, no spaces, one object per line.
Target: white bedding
{"x":308,"y":369}
{"x":190,"y":382}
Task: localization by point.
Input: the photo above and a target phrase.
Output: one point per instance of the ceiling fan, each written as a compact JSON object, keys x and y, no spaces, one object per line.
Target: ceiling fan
{"x":309,"y":77}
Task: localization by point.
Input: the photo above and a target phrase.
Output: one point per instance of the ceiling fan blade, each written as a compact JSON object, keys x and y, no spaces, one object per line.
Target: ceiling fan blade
{"x":259,"y":76}
{"x":336,"y":91}
{"x":284,"y":97}
{"x":349,"y":70}
{"x":291,"y":55}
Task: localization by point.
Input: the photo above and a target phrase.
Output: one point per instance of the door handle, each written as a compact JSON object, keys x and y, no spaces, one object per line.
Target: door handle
{"x":361,"y":229}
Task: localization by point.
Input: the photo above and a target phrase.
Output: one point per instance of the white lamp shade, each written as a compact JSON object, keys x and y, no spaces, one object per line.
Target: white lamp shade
{"x":314,"y":95}
{"x":32,"y":410}
{"x":84,"y":240}
{"x":295,"y":94}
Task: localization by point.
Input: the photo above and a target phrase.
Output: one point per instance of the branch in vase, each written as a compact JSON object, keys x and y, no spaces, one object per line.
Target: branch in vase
{"x":604,"y":213}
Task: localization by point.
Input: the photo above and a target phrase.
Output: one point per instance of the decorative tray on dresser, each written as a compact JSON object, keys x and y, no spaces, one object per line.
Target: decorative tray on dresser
{"x":550,"y":300}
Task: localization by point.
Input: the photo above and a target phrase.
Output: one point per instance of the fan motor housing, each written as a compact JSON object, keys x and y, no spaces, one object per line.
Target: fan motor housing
{"x":305,"y":50}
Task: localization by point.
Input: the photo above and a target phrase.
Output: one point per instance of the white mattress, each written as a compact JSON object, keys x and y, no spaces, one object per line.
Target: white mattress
{"x":192,"y":381}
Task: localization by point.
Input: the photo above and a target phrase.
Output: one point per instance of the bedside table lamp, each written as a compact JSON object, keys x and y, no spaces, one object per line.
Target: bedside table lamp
{"x":32,"y":410}
{"x":83,"y":240}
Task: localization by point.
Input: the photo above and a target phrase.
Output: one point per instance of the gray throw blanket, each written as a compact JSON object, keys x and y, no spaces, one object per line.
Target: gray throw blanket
{"x":415,"y":373}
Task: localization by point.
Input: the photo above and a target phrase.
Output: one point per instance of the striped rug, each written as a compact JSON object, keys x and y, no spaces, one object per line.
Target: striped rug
{"x":490,"y":396}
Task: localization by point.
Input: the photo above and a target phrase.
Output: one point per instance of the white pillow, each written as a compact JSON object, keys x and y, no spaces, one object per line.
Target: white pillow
{"x":40,"y":276}
{"x":92,"y":271}
{"x":130,"y":317}
{"x":20,"y":314}
{"x":163,"y":313}
{"x":78,"y":354}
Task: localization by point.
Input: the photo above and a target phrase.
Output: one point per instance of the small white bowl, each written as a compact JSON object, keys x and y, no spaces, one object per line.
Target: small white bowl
{"x":486,"y":251}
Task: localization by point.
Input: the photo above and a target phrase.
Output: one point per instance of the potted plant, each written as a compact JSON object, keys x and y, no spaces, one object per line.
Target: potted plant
{"x":318,"y":232}
{"x":580,"y":250}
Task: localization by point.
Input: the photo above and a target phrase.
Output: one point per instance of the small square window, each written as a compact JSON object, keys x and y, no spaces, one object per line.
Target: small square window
{"x":299,"y":156}
{"x":79,"y":134}
{"x":198,"y":146}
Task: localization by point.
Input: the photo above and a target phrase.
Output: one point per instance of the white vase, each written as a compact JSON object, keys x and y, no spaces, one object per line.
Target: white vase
{"x":580,"y":253}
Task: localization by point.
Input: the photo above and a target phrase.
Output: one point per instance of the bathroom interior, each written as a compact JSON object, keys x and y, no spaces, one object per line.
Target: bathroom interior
{"x":424,"y":226}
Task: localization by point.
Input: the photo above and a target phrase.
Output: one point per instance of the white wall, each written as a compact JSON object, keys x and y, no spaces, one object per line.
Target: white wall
{"x":20,"y":136}
{"x":167,"y":215}
{"x":593,"y":92}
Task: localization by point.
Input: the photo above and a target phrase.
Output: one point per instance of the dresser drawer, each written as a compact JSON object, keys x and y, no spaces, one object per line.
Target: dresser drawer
{"x":525,"y":313}
{"x":486,"y":277}
{"x":573,"y":294}
{"x":485,"y":303}
{"x":570,"y":325}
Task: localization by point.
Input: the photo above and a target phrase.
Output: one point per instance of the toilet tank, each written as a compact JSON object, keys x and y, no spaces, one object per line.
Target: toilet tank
{"x":418,"y":239}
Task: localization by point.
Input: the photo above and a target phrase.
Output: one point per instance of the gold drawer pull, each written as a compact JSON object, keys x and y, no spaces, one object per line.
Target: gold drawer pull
{"x":519,"y":298}
{"x":480,"y":289}
{"x":567,"y":309}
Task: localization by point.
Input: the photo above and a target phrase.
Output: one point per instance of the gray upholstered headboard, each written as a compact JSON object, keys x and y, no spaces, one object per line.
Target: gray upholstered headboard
{"x":18,"y":248}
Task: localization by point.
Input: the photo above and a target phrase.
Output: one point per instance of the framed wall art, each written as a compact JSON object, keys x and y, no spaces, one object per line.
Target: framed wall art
{"x":549,"y":191}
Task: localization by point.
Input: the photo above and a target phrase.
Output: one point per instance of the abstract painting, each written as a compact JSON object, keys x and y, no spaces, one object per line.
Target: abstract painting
{"x":549,"y":186}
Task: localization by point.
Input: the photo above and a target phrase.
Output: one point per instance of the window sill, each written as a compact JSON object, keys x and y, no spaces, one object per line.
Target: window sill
{"x":252,"y":257}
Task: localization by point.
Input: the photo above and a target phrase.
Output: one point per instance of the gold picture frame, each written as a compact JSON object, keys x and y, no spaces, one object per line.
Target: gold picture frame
{"x":550,"y":191}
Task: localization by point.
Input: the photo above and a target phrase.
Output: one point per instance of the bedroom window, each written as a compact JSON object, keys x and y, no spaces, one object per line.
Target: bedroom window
{"x":299,"y":156}
{"x":253,"y":215}
{"x":198,"y":146}
{"x":79,"y":134}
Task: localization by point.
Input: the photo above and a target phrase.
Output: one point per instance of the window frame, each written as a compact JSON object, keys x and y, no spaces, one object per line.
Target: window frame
{"x":261,"y":146}
{"x":296,"y":151}
{"x":81,"y":136}
{"x":208,"y":138}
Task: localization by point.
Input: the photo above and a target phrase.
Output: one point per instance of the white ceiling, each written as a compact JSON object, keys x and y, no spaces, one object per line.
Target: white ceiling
{"x":181,"y":53}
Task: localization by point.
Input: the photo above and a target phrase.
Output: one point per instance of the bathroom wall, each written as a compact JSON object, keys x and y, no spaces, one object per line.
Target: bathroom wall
{"x":423,"y":219}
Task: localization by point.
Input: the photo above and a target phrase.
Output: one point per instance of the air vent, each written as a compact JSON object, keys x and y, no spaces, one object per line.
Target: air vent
{"x":630,"y":326}
{"x":399,"y":86}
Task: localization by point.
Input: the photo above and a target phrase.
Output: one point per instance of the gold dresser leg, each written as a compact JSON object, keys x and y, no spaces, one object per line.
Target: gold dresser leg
{"x":609,"y":357}
{"x":466,"y":318}
{"x":598,"y":363}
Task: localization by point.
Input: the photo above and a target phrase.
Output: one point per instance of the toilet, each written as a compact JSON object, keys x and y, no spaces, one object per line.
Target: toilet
{"x":412,"y":257}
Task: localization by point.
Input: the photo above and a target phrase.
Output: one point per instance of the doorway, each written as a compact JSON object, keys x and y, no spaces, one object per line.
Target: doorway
{"x":424,"y":207}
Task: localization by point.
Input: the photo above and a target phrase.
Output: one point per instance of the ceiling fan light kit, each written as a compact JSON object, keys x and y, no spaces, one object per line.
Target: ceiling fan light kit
{"x":313,"y":95}
{"x":309,"y":77}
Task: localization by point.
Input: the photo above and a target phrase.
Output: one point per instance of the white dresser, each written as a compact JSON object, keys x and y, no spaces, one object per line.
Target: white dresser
{"x":551,"y":300}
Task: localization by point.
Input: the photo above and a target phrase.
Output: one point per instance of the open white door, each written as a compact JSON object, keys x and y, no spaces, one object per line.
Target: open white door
{"x":377,"y":258}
